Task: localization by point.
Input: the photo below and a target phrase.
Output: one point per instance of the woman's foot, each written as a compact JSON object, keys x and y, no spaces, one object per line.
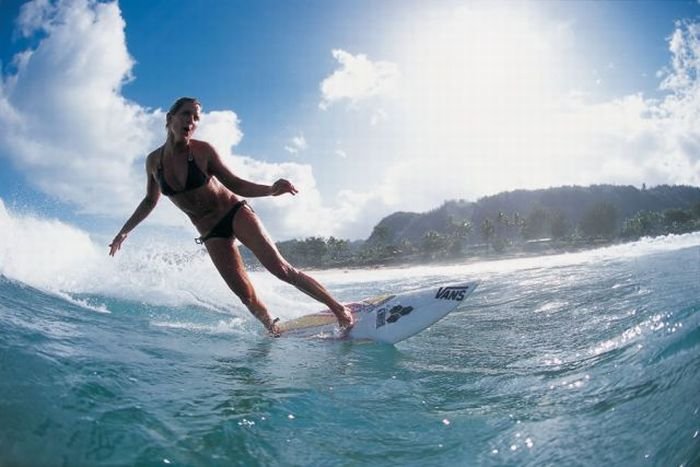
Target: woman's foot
{"x":345,"y":318}
{"x":272,"y":327}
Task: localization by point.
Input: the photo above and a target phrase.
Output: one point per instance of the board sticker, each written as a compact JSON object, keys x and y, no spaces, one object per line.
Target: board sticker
{"x":397,"y":312}
{"x":381,"y":318}
{"x":452,"y":293}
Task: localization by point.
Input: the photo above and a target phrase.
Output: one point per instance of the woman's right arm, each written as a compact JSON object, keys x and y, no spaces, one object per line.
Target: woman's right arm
{"x":142,"y":211}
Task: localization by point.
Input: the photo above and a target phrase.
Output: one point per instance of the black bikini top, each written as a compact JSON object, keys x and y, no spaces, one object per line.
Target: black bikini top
{"x":195,"y":177}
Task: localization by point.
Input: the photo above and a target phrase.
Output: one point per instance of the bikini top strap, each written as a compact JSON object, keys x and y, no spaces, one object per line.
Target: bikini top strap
{"x":162,"y":153}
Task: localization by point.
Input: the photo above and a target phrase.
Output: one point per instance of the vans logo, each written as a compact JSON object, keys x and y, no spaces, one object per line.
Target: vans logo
{"x":451,"y":293}
{"x":394,"y":314}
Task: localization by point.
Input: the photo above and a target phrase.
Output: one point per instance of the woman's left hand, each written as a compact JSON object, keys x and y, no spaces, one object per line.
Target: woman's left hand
{"x":281,"y":187}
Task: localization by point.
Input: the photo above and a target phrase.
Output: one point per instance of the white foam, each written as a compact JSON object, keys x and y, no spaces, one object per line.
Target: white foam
{"x":100,"y":308}
{"x":44,"y":253}
{"x":62,"y":259}
{"x":226,"y":327}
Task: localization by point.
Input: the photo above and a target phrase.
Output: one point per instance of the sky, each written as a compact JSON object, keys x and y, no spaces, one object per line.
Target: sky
{"x":367,"y":107}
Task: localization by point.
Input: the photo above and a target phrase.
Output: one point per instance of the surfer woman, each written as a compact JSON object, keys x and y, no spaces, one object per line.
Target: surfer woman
{"x":191,"y":173}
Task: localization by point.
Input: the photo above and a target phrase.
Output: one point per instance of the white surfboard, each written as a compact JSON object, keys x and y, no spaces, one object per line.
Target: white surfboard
{"x":386,"y":318}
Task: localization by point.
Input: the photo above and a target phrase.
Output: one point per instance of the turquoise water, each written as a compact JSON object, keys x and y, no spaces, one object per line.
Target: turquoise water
{"x":590,"y":358}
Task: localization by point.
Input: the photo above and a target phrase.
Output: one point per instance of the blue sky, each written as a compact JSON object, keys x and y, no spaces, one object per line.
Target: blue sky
{"x":369,"y":107}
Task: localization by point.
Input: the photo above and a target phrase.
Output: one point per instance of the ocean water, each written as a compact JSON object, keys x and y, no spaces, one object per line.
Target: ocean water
{"x":590,"y":358}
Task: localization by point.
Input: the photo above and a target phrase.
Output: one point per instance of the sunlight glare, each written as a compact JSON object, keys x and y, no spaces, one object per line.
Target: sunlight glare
{"x":481,"y":92}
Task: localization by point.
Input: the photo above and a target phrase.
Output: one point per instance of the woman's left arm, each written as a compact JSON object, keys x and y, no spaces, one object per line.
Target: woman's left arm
{"x":245,"y":188}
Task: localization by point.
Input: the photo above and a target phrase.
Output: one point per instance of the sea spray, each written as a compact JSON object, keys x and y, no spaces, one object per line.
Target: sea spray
{"x":56,"y":257}
{"x":45,"y":253}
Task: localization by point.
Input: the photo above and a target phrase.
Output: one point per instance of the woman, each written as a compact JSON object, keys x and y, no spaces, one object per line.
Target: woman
{"x":193,"y":176}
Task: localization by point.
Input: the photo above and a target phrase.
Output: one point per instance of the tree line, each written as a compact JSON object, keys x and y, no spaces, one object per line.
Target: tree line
{"x":460,"y":230}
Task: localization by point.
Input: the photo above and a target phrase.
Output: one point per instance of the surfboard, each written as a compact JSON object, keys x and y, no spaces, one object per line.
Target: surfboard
{"x":386,"y":318}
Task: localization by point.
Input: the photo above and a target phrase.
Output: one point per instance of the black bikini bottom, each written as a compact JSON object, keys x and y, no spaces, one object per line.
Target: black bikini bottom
{"x":224,"y":228}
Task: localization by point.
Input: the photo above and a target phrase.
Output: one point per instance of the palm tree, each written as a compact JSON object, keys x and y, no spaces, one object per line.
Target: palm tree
{"x":487,"y":229}
{"x":458,"y":234}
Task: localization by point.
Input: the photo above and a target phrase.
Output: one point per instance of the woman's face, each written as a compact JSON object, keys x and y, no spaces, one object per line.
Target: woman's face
{"x":184,"y":121}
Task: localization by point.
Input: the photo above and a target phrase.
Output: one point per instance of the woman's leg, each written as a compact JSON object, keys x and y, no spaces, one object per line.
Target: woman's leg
{"x":228,"y":262}
{"x":249,"y":230}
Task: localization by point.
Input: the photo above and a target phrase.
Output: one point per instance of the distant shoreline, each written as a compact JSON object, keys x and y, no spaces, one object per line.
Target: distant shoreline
{"x":403,"y":263}
{"x":549,"y":250}
{"x":517,"y":224}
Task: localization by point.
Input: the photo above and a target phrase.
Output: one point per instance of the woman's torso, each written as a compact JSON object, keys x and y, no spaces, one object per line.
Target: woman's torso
{"x":205,"y":205}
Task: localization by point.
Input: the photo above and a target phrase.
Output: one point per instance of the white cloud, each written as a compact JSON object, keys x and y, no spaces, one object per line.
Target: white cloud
{"x":35,"y":16}
{"x":296,"y":145}
{"x":358,"y":78}
{"x":221,"y":129}
{"x":637,"y":140}
{"x":308,"y":213}
{"x":68,"y":125}
{"x":685,"y":57}
{"x":379,"y":115}
{"x":482,"y":110}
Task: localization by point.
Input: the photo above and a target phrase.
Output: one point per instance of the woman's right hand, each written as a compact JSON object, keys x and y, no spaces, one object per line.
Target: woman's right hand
{"x":116,"y":243}
{"x":283,"y":186}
